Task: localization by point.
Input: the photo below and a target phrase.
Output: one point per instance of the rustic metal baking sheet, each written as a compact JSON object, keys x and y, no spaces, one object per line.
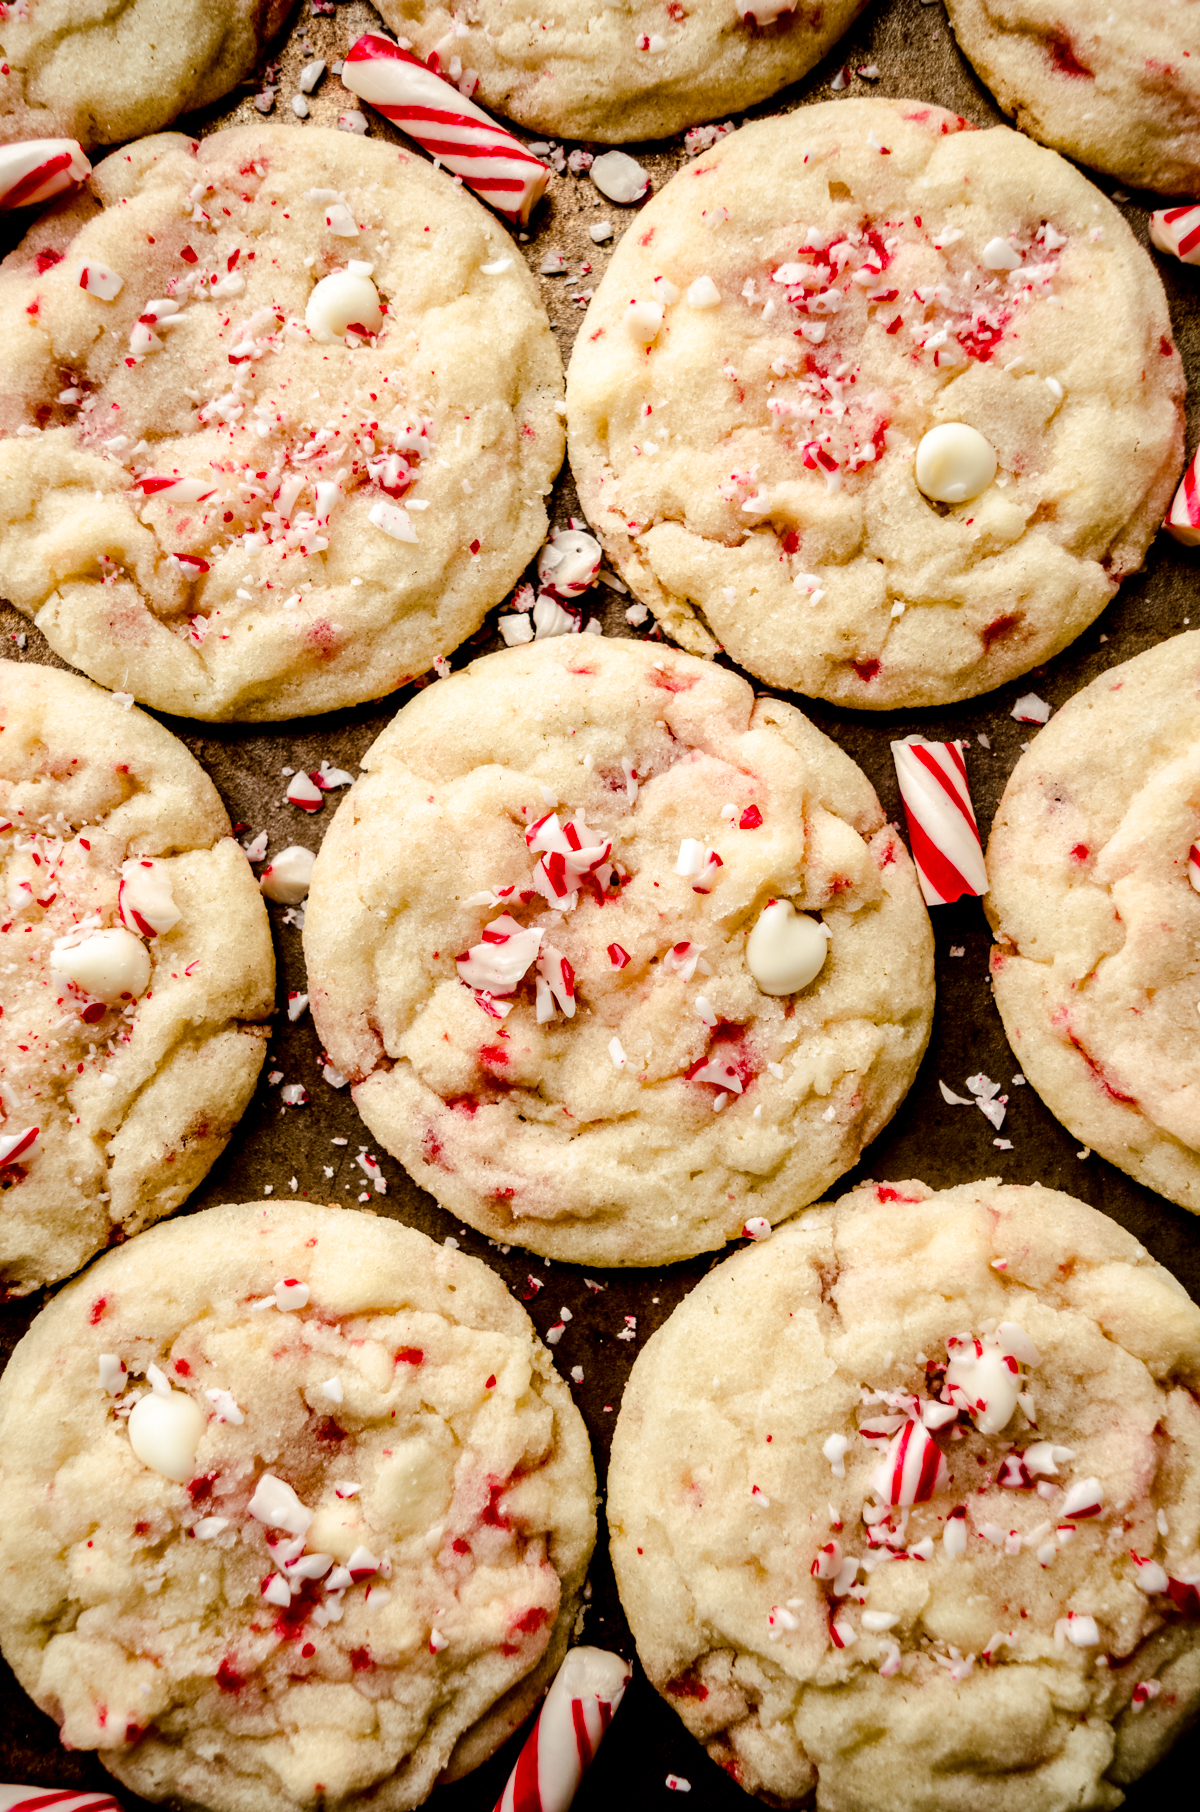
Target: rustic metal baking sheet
{"x":281,"y":1151}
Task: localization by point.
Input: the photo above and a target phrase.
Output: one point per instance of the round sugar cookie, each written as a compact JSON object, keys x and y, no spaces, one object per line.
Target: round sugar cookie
{"x":136,"y":974}
{"x":850,"y":1562}
{"x":1115,"y":83}
{"x":260,"y":511}
{"x":1094,"y":864}
{"x":101,"y":74}
{"x":295,"y":1511}
{"x":626,"y":71}
{"x":766,"y":355}
{"x":528,"y":948}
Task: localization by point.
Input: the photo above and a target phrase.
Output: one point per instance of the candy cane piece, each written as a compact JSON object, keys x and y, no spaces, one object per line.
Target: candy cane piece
{"x":941,"y":819}
{"x":454,"y":130}
{"x":54,"y":1799}
{"x":15,"y":1145}
{"x":913,"y":1469}
{"x":1183,"y":517}
{"x":39,"y":168}
{"x":1177,"y":231}
{"x":577,"y":1711}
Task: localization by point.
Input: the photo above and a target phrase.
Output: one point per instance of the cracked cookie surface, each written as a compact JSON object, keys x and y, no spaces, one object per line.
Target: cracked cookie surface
{"x":762,"y":360}
{"x":639,"y":1105}
{"x":629,"y":71}
{"x":362,"y":1567}
{"x":133,"y":1091}
{"x":1097,"y":923}
{"x":1115,"y":83}
{"x":118,"y":69}
{"x":851,"y":1564}
{"x":209,"y":506}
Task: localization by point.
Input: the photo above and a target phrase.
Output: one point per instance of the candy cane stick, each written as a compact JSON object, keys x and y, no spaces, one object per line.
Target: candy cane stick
{"x":54,"y":1799}
{"x":1177,"y":230}
{"x":451,"y":128}
{"x":577,"y":1711}
{"x":941,"y":819}
{"x":1183,"y":517}
{"x":39,"y":168}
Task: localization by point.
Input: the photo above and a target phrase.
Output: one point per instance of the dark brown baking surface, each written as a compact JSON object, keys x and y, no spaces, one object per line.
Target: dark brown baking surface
{"x":275,"y":1149}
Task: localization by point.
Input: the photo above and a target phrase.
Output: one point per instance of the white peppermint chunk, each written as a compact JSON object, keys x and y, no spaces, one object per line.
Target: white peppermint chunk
{"x":276,"y":1504}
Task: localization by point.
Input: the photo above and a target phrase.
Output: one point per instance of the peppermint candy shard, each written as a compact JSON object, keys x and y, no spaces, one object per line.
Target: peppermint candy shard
{"x":1150,"y":1576}
{"x":33,"y":171}
{"x":941,"y":819}
{"x":1085,"y":1498}
{"x":501,"y":961}
{"x":913,"y":1470}
{"x":1177,"y":232}
{"x":15,"y":1145}
{"x":447,"y":125}
{"x":582,"y":1701}
{"x":1183,"y":517}
{"x":174,"y":489}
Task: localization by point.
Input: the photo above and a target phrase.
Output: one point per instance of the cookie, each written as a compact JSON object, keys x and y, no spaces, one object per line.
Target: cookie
{"x":138,"y":974}
{"x":624,"y":72}
{"x":1094,"y":873}
{"x":905,"y":1505}
{"x":552,"y":939}
{"x":303,"y":1514}
{"x":754,"y":389}
{"x":280,"y":417}
{"x":101,"y":74}
{"x":1107,"y":81}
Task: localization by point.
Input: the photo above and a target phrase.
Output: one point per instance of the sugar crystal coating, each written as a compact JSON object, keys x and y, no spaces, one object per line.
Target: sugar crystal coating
{"x":749,"y":468}
{"x":986,"y":1619}
{"x":523,"y":820}
{"x":243,"y":412}
{"x":354,"y":1594}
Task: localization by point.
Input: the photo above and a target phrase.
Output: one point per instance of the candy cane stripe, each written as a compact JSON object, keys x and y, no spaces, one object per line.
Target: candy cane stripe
{"x":932,"y":766}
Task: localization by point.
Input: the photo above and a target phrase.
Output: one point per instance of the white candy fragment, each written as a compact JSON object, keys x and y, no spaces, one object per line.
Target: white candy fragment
{"x":276,"y":1504}
{"x":620,"y":177}
{"x":288,"y":878}
{"x":277,"y":1591}
{"x":15,"y":1145}
{"x":515,"y":629}
{"x":505,"y":955}
{"x":209,"y":1526}
{"x":310,"y":75}
{"x":341,"y":221}
{"x":954,"y":463}
{"x":225,"y":1405}
{"x":569,"y":561}
{"x":643,"y":322}
{"x":290,"y":1293}
{"x":112,"y":1374}
{"x":690,"y":859}
{"x":109,"y":964}
{"x":786,"y":949}
{"x":304,"y":792}
{"x":757,"y":1227}
{"x":101,"y":282}
{"x":703,"y":293}
{"x":878,"y":1621}
{"x":954,"y":1535}
{"x":983,"y":1375}
{"x":145,"y":899}
{"x":1084,"y":1498}
{"x":1000,"y":255}
{"x":1151,"y":1577}
{"x":1030,"y":709}
{"x":165,"y":1431}
{"x":393,"y":519}
{"x":345,"y":301}
{"x":834,"y":1450}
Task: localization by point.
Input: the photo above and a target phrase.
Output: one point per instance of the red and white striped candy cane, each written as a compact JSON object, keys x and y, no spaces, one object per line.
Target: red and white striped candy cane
{"x":913,"y":1469}
{"x":454,"y":130}
{"x":1177,"y":230}
{"x":941,"y":819}
{"x":39,"y":168}
{"x":1183,"y":517}
{"x":576,"y":1712}
{"x":15,"y":1145}
{"x":54,"y":1799}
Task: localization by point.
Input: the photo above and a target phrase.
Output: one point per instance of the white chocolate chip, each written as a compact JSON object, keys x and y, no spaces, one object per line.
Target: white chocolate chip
{"x":343,"y":300}
{"x":786,"y":949}
{"x":108,"y":964}
{"x":954,"y":463}
{"x":165,"y":1431}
